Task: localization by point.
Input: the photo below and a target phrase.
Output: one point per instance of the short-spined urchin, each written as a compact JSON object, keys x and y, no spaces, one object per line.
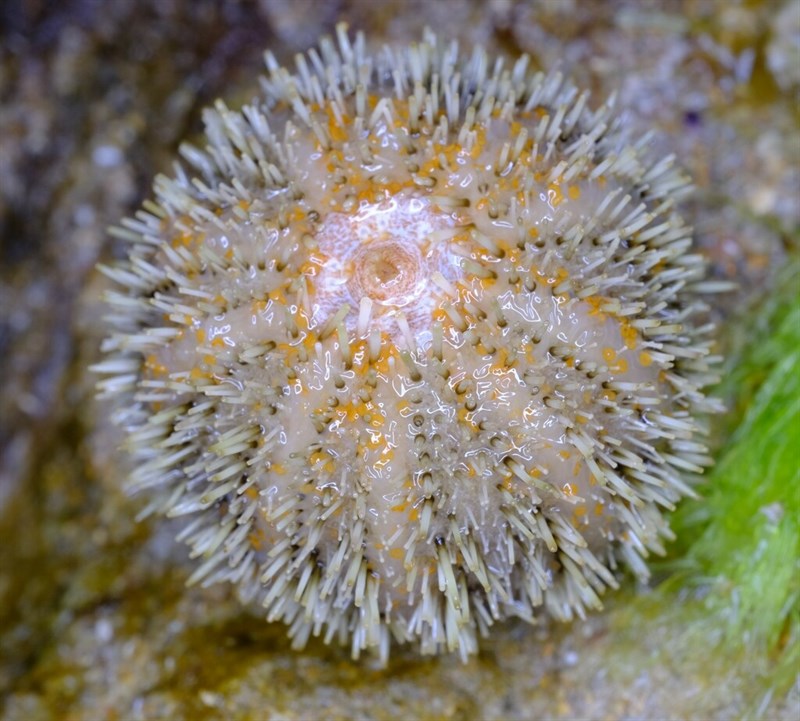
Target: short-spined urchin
{"x":414,"y":347}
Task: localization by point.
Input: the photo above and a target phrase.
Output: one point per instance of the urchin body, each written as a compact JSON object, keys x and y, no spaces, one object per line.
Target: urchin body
{"x":413,"y":346}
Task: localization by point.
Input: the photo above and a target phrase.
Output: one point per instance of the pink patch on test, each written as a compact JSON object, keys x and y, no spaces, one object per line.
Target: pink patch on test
{"x":387,"y":252}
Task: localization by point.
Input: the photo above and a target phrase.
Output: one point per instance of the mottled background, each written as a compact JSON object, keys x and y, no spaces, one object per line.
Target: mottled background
{"x":95,"y":622}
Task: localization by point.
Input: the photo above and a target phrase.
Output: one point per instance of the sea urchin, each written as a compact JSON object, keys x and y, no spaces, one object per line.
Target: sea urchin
{"x":415,"y":345}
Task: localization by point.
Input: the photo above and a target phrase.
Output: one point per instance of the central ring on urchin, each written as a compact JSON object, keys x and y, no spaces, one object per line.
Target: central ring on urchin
{"x":388,"y":253}
{"x":389,"y":272}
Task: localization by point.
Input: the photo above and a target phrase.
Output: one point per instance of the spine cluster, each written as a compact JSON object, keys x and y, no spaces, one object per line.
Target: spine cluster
{"x":415,"y":344}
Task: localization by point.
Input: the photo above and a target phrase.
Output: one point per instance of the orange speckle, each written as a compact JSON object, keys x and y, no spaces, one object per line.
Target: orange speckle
{"x":574,"y":192}
{"x":278,"y":296}
{"x":645,"y":359}
{"x":259,"y":306}
{"x":154,"y":366}
{"x":338,"y":133}
{"x":257,"y":539}
{"x":629,"y":335}
{"x":554,"y":194}
{"x":609,"y":354}
{"x":596,"y":303}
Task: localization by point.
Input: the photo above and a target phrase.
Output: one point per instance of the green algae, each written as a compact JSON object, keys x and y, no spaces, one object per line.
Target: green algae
{"x":743,"y":548}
